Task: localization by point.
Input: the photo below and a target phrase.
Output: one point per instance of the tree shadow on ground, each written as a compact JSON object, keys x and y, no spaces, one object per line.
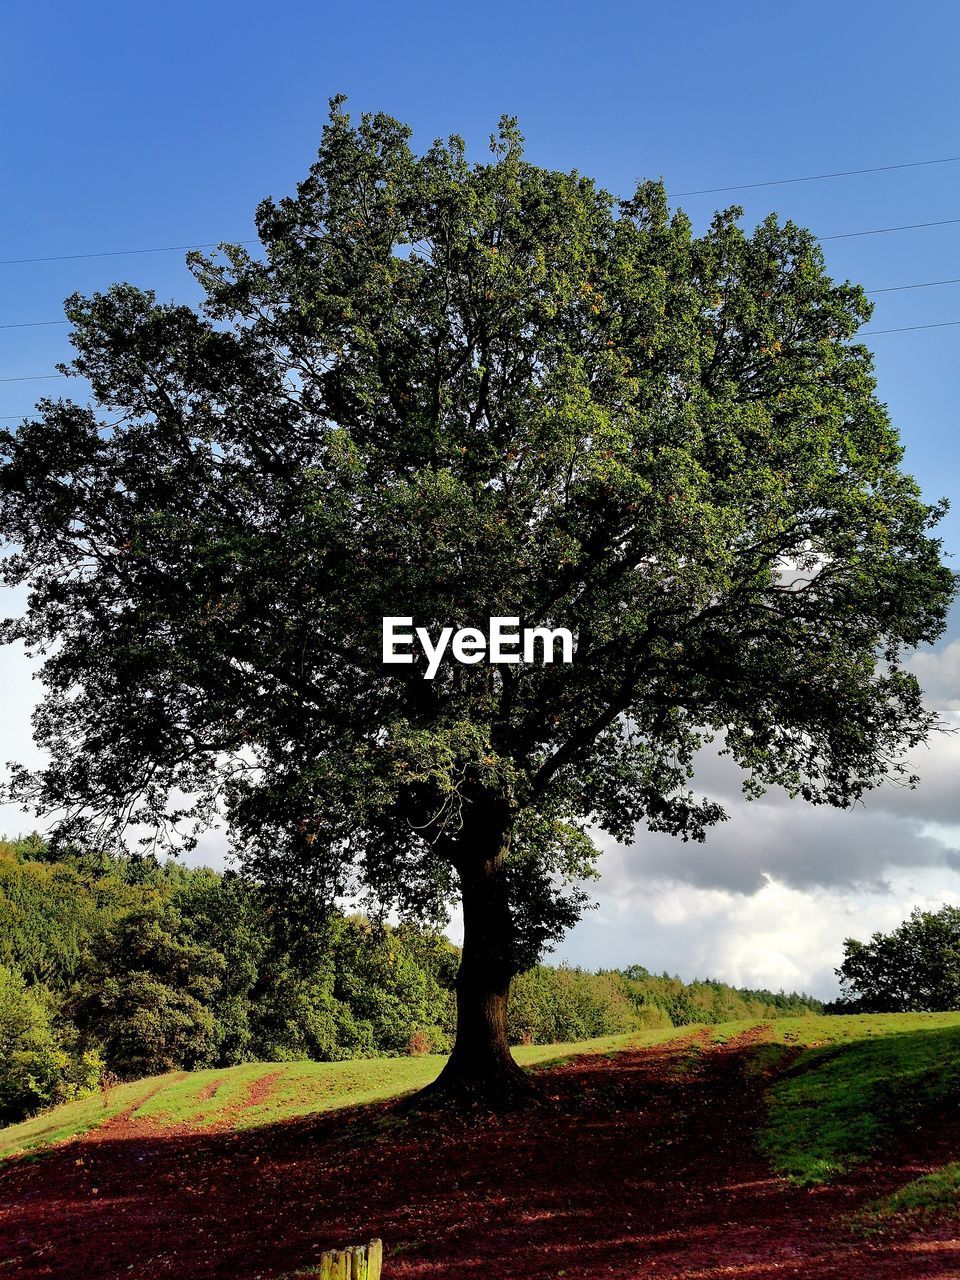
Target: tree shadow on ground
{"x":645,"y":1166}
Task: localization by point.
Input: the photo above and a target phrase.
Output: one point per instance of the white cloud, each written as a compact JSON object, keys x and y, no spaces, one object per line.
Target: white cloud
{"x":778,"y":937}
{"x":20,"y":694}
{"x":938,"y":671}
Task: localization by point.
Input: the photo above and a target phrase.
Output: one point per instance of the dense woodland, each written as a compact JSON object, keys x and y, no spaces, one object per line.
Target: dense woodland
{"x":133,"y":967}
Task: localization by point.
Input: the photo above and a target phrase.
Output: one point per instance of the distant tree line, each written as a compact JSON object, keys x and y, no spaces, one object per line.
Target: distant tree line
{"x":136,"y":967}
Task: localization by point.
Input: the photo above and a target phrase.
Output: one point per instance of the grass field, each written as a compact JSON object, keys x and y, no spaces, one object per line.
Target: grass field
{"x":848,"y":1085}
{"x":915,"y":1201}
{"x":666,"y":1154}
{"x":238,"y":1096}
{"x":840,"y":1090}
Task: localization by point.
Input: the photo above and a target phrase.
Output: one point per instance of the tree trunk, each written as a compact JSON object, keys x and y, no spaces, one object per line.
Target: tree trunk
{"x":481,"y":1070}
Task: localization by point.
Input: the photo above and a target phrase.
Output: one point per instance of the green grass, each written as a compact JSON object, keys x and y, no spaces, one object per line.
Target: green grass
{"x":934,"y":1193}
{"x":841,"y":1088}
{"x":855,"y":1083}
{"x":79,"y":1116}
{"x":296,"y":1089}
{"x":815,"y":1031}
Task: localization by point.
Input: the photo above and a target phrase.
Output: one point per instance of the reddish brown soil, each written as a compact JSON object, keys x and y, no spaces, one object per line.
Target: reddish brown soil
{"x":644,"y":1167}
{"x":256,"y":1093}
{"x":260,"y":1090}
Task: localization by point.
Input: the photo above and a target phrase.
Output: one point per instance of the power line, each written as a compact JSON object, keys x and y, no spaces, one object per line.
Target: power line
{"x":701,"y":191}
{"x":32,"y":324}
{"x":10,"y":417}
{"x":120,"y":253}
{"x":908,"y":328}
{"x":943,"y":324}
{"x":882,"y":231}
{"x":890,"y":288}
{"x":186,"y":248}
{"x":898,"y":288}
{"x":814,"y":177}
{"x":181,"y":248}
{"x":865,"y":333}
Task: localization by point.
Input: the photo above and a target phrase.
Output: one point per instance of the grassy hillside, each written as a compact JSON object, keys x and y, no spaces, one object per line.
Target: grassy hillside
{"x":135,"y":968}
{"x":921,"y":1198}
{"x":847,"y":1086}
{"x":659,"y":1156}
{"x":264,"y":1092}
{"x":841,"y":1090}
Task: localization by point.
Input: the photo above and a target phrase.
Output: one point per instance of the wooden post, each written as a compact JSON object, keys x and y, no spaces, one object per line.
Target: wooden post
{"x":374,"y":1259}
{"x":359,"y":1262}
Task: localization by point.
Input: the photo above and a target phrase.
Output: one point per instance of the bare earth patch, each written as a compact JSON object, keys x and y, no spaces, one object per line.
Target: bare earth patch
{"x":646,"y":1167}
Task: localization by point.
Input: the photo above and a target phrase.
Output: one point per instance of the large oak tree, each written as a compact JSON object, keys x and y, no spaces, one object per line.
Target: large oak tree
{"x":456,"y":391}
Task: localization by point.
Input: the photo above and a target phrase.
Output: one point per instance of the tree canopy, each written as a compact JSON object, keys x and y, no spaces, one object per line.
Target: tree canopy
{"x":914,"y":968}
{"x":454,"y":391}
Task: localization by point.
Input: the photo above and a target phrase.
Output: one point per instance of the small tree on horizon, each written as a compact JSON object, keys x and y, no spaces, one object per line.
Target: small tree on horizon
{"x":457,"y":391}
{"x":914,"y":968}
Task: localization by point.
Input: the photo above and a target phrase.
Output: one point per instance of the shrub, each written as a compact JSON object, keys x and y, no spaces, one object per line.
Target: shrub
{"x":38,"y":1067}
{"x":143,"y":995}
{"x":551,"y":1005}
{"x":428,"y":1040}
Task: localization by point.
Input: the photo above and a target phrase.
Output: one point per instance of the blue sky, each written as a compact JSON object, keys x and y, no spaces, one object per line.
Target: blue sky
{"x":138,"y":126}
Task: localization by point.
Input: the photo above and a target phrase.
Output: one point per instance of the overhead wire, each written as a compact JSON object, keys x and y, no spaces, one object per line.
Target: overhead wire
{"x":908,"y":328}
{"x":178,"y":248}
{"x":883,"y":231}
{"x":815,"y":177}
{"x":743,"y":186}
{"x":120,"y":253}
{"x":890,"y":288}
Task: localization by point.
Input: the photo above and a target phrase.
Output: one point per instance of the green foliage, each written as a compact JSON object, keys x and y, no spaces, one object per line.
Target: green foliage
{"x":711,"y":1001}
{"x":913,"y":969}
{"x":155,"y":966}
{"x":873,"y":1079}
{"x":37,"y":1068}
{"x":48,"y":909}
{"x":551,"y":1005}
{"x":390,"y":994}
{"x":146,"y":997}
